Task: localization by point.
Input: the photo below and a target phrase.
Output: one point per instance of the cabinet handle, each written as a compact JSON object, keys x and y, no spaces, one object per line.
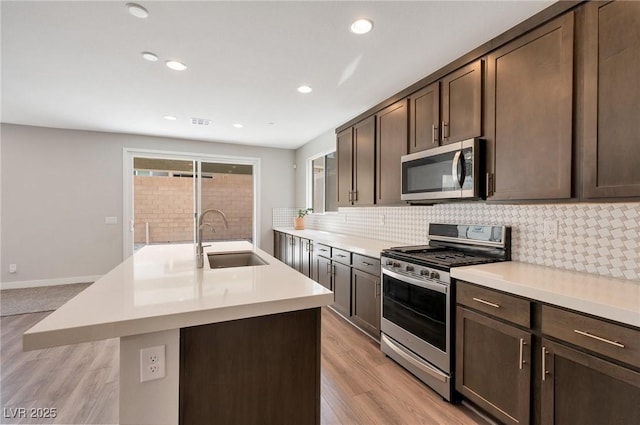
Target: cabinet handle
{"x":351,"y":196}
{"x":545,"y":372}
{"x":480,"y":300}
{"x":522,"y":361}
{"x":377,"y":289}
{"x":445,"y":130}
{"x":442,"y":132}
{"x":434,"y":134}
{"x":355,"y":196}
{"x":367,"y":264}
{"x":490,"y":184}
{"x":341,"y":256}
{"x":608,"y":341}
{"x":333,"y":267}
{"x":328,"y":268}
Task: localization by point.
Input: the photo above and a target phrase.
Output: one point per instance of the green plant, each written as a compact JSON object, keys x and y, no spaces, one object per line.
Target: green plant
{"x":302,"y":213}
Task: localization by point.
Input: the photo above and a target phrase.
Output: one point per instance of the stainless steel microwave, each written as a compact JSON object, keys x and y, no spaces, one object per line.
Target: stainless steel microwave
{"x":453,"y":171}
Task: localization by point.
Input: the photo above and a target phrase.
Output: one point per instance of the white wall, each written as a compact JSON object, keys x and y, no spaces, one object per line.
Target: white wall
{"x":323,"y":143}
{"x":58,"y":186}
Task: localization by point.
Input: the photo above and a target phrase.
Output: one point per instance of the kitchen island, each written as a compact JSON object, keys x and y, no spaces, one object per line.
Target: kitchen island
{"x":241,"y":344}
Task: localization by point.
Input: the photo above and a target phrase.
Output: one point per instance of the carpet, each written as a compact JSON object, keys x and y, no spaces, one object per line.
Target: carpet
{"x":33,"y":300}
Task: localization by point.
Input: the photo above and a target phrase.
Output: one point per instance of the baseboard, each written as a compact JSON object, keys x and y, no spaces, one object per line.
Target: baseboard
{"x":48,"y":282}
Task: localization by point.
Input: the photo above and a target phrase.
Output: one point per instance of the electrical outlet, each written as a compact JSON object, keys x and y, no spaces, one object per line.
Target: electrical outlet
{"x":111,"y":220}
{"x":13,"y":268}
{"x":551,"y":230}
{"x":152,"y":363}
{"x":381,"y":220}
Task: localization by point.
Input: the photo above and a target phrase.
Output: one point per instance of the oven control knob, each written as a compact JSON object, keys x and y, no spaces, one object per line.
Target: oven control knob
{"x":409,"y":268}
{"x":389,"y":263}
{"x":396,"y":265}
{"x":424,"y":273}
{"x":435,"y":275}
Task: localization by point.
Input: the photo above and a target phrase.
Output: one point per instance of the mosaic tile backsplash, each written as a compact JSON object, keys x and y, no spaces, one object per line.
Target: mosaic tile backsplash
{"x":602,"y":238}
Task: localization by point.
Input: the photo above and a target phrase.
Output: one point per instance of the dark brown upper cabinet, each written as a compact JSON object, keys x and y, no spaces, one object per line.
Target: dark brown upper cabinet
{"x":460,"y":117}
{"x":344,"y":150}
{"x":462,"y":104}
{"x":391,"y":144}
{"x":424,"y":118}
{"x":356,"y":164}
{"x":611,"y":115}
{"x":529,"y":114}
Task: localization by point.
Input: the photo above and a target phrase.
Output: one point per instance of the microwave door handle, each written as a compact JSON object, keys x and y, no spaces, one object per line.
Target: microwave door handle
{"x":455,"y":167}
{"x":461,"y":170}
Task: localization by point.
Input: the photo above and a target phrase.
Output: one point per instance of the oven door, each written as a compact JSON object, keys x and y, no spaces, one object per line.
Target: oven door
{"x":446,"y":172}
{"x":416,"y":313}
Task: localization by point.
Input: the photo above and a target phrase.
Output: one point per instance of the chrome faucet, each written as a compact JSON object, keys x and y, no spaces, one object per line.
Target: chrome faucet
{"x":201,"y":224}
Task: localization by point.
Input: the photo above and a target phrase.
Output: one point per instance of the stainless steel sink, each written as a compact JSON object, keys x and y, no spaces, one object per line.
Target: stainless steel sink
{"x":224,"y":260}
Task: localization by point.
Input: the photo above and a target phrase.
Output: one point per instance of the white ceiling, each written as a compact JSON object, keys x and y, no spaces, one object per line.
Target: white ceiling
{"x":78,"y":64}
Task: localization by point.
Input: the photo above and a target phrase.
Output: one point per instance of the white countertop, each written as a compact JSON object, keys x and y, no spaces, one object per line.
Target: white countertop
{"x":363,"y":246}
{"x":159,"y":288}
{"x":609,"y":298}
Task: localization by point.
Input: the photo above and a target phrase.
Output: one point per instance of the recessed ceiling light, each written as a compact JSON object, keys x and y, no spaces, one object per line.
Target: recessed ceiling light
{"x":305,"y":89}
{"x":361,"y":26}
{"x":137,"y":10}
{"x":238,"y":125}
{"x":170,"y":117}
{"x":176,"y":66}
{"x":151,"y":57}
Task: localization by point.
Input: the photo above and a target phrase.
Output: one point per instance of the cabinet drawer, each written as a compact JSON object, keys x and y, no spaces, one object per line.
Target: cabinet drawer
{"x":341,"y":256}
{"x":495,"y":303}
{"x":322,"y":250}
{"x":366,"y":264}
{"x":615,"y":341}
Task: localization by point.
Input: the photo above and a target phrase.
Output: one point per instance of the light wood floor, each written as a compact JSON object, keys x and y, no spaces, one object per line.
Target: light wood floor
{"x":359,"y":384}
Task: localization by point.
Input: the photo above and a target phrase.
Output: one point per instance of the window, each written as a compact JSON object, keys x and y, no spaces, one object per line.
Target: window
{"x":324,"y":183}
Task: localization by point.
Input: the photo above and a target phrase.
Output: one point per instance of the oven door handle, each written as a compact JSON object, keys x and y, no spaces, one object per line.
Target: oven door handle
{"x":426,"y":284}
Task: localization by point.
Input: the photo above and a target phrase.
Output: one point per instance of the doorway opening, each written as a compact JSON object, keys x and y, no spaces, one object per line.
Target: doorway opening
{"x":166,"y":192}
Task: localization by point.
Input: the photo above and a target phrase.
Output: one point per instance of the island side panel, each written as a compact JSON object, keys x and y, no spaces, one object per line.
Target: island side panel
{"x":261,"y":370}
{"x":151,"y":402}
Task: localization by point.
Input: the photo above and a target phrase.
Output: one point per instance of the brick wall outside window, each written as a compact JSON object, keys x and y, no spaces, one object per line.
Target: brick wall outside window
{"x":166,"y":203}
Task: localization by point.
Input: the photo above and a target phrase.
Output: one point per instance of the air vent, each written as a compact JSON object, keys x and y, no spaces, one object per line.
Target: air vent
{"x":200,"y":121}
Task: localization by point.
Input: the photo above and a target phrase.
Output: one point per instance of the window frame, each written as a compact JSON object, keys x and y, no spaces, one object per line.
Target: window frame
{"x":309,"y":180}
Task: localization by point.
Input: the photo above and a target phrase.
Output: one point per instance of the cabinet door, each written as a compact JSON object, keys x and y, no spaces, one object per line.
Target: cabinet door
{"x":391,"y":144}
{"x":341,"y":288}
{"x":578,"y":388}
{"x":276,"y":245}
{"x":493,"y":366}
{"x":365,"y":303}
{"x":296,"y":253}
{"x":307,"y":254}
{"x":284,"y":248}
{"x":529,"y":113}
{"x":612,"y":100}
{"x":322,"y":270}
{"x":424,"y":118}
{"x":364,"y":134}
{"x":462,"y":104}
{"x":344,"y":152}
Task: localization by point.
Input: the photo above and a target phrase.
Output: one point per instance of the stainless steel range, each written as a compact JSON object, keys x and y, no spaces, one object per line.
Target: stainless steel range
{"x":418,"y":297}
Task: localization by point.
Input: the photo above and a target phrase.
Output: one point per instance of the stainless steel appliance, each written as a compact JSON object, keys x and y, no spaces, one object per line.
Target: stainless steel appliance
{"x":418,"y":297}
{"x":453,"y":171}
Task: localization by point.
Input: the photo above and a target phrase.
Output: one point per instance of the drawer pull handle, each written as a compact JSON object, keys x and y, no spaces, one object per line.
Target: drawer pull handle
{"x":480,"y":300}
{"x":367,"y":264}
{"x":341,"y":256}
{"x":608,"y":341}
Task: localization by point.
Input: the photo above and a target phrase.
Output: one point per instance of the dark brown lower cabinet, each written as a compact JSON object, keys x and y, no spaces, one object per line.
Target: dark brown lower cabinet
{"x":341,"y":288}
{"x":493,"y":366}
{"x":322,"y":272}
{"x":365,"y":302}
{"x":578,"y":388}
{"x":245,"y":371}
{"x":306,"y":251}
